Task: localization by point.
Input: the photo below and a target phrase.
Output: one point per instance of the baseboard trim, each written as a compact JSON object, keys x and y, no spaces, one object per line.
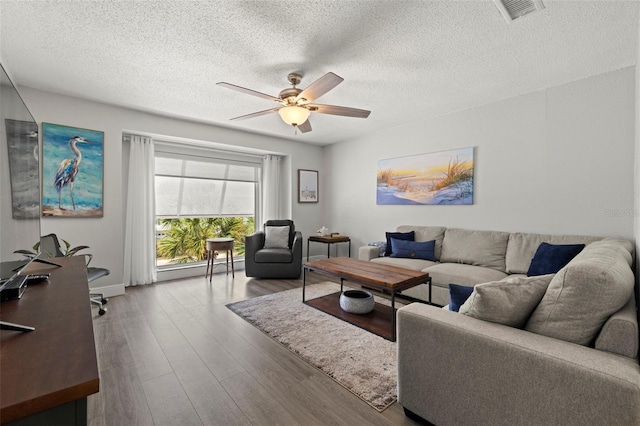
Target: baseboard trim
{"x":195,"y":271}
{"x":109,"y":290}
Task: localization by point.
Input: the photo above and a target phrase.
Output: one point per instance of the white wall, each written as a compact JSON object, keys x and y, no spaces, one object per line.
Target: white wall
{"x":557,"y":161}
{"x":105,"y":235}
{"x":636,"y":180}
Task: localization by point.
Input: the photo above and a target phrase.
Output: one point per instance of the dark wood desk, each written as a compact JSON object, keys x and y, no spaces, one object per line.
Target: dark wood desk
{"x":47,"y":374}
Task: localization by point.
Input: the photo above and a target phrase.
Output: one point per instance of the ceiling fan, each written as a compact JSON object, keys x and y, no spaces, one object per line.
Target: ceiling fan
{"x":296,"y":103}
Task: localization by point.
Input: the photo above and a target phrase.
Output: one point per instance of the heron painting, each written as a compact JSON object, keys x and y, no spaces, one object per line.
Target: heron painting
{"x":72,"y":182}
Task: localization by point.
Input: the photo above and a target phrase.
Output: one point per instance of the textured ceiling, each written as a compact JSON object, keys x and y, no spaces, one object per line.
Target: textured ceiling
{"x":405,"y":61}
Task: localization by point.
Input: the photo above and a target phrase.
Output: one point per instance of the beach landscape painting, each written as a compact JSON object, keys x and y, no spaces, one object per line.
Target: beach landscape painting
{"x":72,"y":171}
{"x":438,"y":178}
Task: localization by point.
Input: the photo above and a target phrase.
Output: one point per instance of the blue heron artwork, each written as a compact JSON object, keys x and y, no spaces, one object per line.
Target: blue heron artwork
{"x":72,"y":178}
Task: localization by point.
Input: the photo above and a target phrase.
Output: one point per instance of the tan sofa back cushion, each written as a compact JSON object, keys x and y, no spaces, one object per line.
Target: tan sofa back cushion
{"x":479,"y":248}
{"x":597,"y":283}
{"x":522,"y":247}
{"x":426,"y":233}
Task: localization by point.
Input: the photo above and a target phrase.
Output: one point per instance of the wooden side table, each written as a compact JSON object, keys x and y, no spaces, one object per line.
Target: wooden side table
{"x":328,"y":241}
{"x":219,"y":244}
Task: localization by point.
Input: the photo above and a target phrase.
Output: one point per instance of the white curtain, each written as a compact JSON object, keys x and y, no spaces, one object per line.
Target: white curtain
{"x":140,"y":235}
{"x":271,"y":188}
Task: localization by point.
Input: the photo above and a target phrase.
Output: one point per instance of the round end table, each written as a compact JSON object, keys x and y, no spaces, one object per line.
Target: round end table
{"x":219,"y":244}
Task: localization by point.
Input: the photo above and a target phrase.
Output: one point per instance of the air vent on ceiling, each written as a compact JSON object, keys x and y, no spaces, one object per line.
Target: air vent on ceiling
{"x":514,"y":9}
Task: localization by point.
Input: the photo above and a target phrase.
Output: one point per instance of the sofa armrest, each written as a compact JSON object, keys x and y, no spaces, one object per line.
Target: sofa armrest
{"x":368,"y":252}
{"x":454,"y":369}
{"x":620,"y":333}
{"x":253,"y":243}
{"x":296,"y":246}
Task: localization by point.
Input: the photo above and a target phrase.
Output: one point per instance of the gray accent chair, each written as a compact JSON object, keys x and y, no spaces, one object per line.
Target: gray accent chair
{"x":263,"y":262}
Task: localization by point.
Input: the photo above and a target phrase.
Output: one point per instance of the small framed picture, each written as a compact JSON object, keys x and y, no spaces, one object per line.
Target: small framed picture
{"x":307,"y":186}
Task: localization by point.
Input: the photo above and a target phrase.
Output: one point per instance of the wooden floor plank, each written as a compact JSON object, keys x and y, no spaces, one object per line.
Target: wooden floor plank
{"x":124,"y":398}
{"x":305,"y":406}
{"x":212,"y":403}
{"x":217,"y":359}
{"x":255,"y":402}
{"x":146,"y":352}
{"x":169,"y":403}
{"x":111,"y":344}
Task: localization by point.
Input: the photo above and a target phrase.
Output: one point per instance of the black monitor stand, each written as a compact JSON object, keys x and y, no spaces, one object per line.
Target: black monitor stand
{"x":14,"y":327}
{"x":37,"y":259}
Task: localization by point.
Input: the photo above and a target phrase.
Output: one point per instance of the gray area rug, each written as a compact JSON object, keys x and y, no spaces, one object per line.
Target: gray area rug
{"x":361,"y":362}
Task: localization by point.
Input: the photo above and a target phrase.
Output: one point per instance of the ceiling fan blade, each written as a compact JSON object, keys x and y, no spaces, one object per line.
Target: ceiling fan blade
{"x":320,"y":87}
{"x":256,"y":114}
{"x":339,"y":110}
{"x":248,"y":91}
{"x":305,"y":127}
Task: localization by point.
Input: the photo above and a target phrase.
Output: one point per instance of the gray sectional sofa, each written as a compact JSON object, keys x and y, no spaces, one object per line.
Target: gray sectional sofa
{"x":469,"y":257}
{"x":572,"y":361}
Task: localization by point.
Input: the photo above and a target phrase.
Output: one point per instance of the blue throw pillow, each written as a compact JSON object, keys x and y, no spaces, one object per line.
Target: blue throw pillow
{"x":413,"y":249}
{"x":550,"y":258}
{"x":408,"y":236}
{"x":458,"y":294}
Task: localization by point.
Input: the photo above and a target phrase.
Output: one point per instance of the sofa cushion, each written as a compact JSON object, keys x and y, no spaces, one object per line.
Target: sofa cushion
{"x":413,"y":249}
{"x":509,"y":302}
{"x":444,"y":273}
{"x":276,"y":237}
{"x":415,"y":264}
{"x":522,"y":247}
{"x":408,"y":236}
{"x":550,"y":258}
{"x":427,"y":233}
{"x":458,"y":295}
{"x":584,"y":294}
{"x":479,"y":248}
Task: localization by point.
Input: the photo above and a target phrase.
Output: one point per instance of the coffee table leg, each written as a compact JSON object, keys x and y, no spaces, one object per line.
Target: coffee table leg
{"x":304,"y":281}
{"x":393,"y":315}
{"x":341,"y":283}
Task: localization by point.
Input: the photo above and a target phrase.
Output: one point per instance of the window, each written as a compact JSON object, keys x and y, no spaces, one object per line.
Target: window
{"x":202,"y":194}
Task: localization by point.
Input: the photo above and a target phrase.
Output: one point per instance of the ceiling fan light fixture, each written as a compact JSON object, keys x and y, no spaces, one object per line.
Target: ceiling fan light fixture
{"x":294,"y":115}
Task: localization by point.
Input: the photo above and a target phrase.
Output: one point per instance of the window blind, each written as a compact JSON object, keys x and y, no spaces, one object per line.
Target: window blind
{"x":205,"y":184}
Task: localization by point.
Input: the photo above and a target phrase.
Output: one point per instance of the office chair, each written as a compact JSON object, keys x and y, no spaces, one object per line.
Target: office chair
{"x":50,"y":245}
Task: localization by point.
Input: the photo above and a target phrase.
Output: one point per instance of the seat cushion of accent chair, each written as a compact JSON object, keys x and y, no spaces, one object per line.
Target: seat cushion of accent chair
{"x":274,"y":255}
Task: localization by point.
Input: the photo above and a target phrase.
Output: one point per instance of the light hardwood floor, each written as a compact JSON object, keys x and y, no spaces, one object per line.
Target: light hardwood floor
{"x":173,"y":354}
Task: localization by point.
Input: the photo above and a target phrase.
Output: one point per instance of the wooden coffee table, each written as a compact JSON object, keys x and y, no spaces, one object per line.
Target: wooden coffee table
{"x":382,"y":320}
